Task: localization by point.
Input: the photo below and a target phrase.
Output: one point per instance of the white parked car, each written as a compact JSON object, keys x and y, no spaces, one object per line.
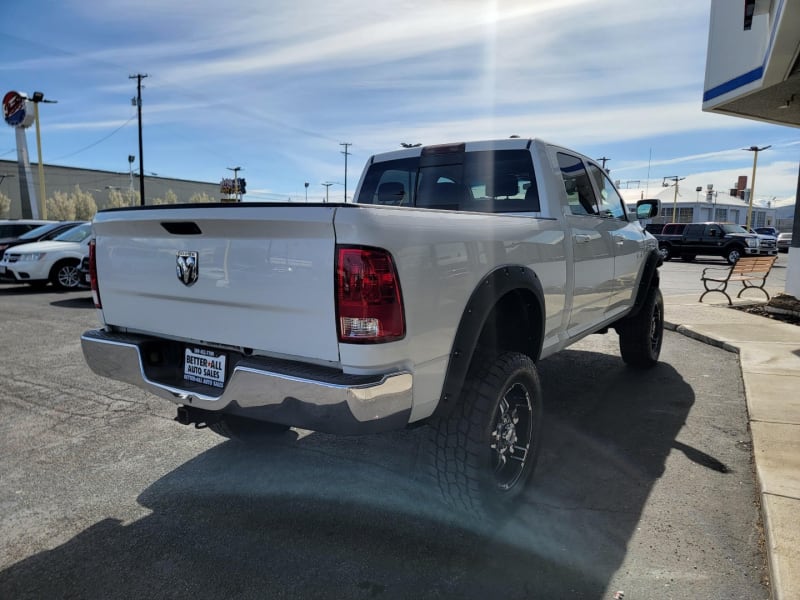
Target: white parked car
{"x":55,"y":261}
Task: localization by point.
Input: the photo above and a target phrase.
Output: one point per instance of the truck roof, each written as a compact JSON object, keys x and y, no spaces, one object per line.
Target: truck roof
{"x":471,"y":146}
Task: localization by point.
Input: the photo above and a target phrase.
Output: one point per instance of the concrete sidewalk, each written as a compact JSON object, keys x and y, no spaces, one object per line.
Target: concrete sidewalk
{"x":769,"y":354}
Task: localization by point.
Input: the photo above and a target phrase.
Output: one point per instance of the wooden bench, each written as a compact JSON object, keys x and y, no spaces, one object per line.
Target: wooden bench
{"x":752,"y":271}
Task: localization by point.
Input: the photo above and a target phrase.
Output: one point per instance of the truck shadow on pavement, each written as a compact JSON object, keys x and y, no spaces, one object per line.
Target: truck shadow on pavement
{"x":331,"y":517}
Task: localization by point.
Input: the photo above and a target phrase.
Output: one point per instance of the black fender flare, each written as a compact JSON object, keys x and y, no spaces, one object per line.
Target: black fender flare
{"x":650,"y":278}
{"x":492,"y":288}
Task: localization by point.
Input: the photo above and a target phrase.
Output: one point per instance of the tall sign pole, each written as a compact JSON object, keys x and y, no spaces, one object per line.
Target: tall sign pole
{"x":18,"y":113}
{"x":138,"y":77}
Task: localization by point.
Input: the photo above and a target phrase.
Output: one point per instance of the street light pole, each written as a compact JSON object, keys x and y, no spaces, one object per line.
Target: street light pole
{"x":755,"y":150}
{"x":36,"y":99}
{"x":676,"y":179}
{"x":327,"y":187}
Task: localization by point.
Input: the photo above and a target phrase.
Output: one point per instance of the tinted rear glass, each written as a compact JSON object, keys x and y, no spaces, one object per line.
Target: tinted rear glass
{"x":500,"y":181}
{"x":10,"y":230}
{"x":34,"y":234}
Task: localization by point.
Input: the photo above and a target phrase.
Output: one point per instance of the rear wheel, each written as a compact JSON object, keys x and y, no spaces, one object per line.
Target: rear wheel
{"x":640,"y":337}
{"x":485,"y":451}
{"x":665,"y":252}
{"x":242,"y":429}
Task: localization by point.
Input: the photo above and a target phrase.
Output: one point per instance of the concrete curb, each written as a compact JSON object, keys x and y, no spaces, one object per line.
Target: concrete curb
{"x":701,"y":337}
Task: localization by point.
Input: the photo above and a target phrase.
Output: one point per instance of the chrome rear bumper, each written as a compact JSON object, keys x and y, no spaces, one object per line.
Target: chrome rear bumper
{"x":295,"y":394}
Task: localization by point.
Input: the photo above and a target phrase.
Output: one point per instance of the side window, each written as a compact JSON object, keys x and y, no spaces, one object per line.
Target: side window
{"x":610,"y":202}
{"x":694,"y":230}
{"x":580,"y":194}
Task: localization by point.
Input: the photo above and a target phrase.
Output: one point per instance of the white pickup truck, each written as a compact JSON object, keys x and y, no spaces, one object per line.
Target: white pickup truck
{"x":431,"y":297}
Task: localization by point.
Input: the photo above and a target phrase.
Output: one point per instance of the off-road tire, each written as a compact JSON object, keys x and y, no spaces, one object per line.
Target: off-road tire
{"x":484,"y":452}
{"x":241,"y":429}
{"x":640,"y":337}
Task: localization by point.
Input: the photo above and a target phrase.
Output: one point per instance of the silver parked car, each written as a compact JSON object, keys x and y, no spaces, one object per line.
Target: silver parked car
{"x":784,"y":241}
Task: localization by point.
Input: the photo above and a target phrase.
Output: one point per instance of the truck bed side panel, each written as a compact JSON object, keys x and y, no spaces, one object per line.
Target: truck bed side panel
{"x":439,"y":266}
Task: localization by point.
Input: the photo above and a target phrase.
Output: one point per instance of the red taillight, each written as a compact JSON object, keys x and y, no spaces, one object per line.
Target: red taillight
{"x":93,"y":275}
{"x":369,"y":304}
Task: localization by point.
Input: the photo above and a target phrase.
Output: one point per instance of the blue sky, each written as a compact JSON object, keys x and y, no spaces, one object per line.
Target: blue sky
{"x":274,"y":86}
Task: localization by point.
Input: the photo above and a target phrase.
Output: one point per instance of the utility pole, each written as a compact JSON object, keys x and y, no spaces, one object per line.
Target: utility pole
{"x":755,"y":150}
{"x":603,"y":160}
{"x":236,"y":181}
{"x":138,"y":101}
{"x":327,"y":186}
{"x":346,"y":154}
{"x":664,"y":183}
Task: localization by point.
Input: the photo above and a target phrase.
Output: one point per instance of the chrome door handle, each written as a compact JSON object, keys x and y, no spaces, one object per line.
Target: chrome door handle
{"x":581,"y":238}
{"x":619,"y":240}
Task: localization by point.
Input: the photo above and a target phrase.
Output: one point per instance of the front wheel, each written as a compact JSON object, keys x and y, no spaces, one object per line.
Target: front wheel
{"x":65,"y":275}
{"x":640,"y":336}
{"x":485,"y":451}
{"x":665,"y":252}
{"x":733,"y":255}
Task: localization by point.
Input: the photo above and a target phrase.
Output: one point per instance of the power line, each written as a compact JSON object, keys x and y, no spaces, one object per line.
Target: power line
{"x":93,"y":144}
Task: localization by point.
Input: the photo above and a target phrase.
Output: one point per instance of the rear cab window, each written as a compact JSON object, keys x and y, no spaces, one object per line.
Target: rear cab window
{"x":488,"y":181}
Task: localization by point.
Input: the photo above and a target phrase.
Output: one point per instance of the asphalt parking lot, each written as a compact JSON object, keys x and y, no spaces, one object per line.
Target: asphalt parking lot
{"x":645,"y":485}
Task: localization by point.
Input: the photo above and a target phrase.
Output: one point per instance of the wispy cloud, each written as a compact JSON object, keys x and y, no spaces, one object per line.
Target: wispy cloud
{"x":277,"y":85}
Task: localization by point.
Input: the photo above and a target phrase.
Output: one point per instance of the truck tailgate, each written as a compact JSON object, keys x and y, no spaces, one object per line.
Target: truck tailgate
{"x":264,"y":275}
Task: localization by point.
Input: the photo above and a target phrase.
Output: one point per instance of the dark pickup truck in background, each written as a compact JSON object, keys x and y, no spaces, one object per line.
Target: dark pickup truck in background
{"x":730,"y":241}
